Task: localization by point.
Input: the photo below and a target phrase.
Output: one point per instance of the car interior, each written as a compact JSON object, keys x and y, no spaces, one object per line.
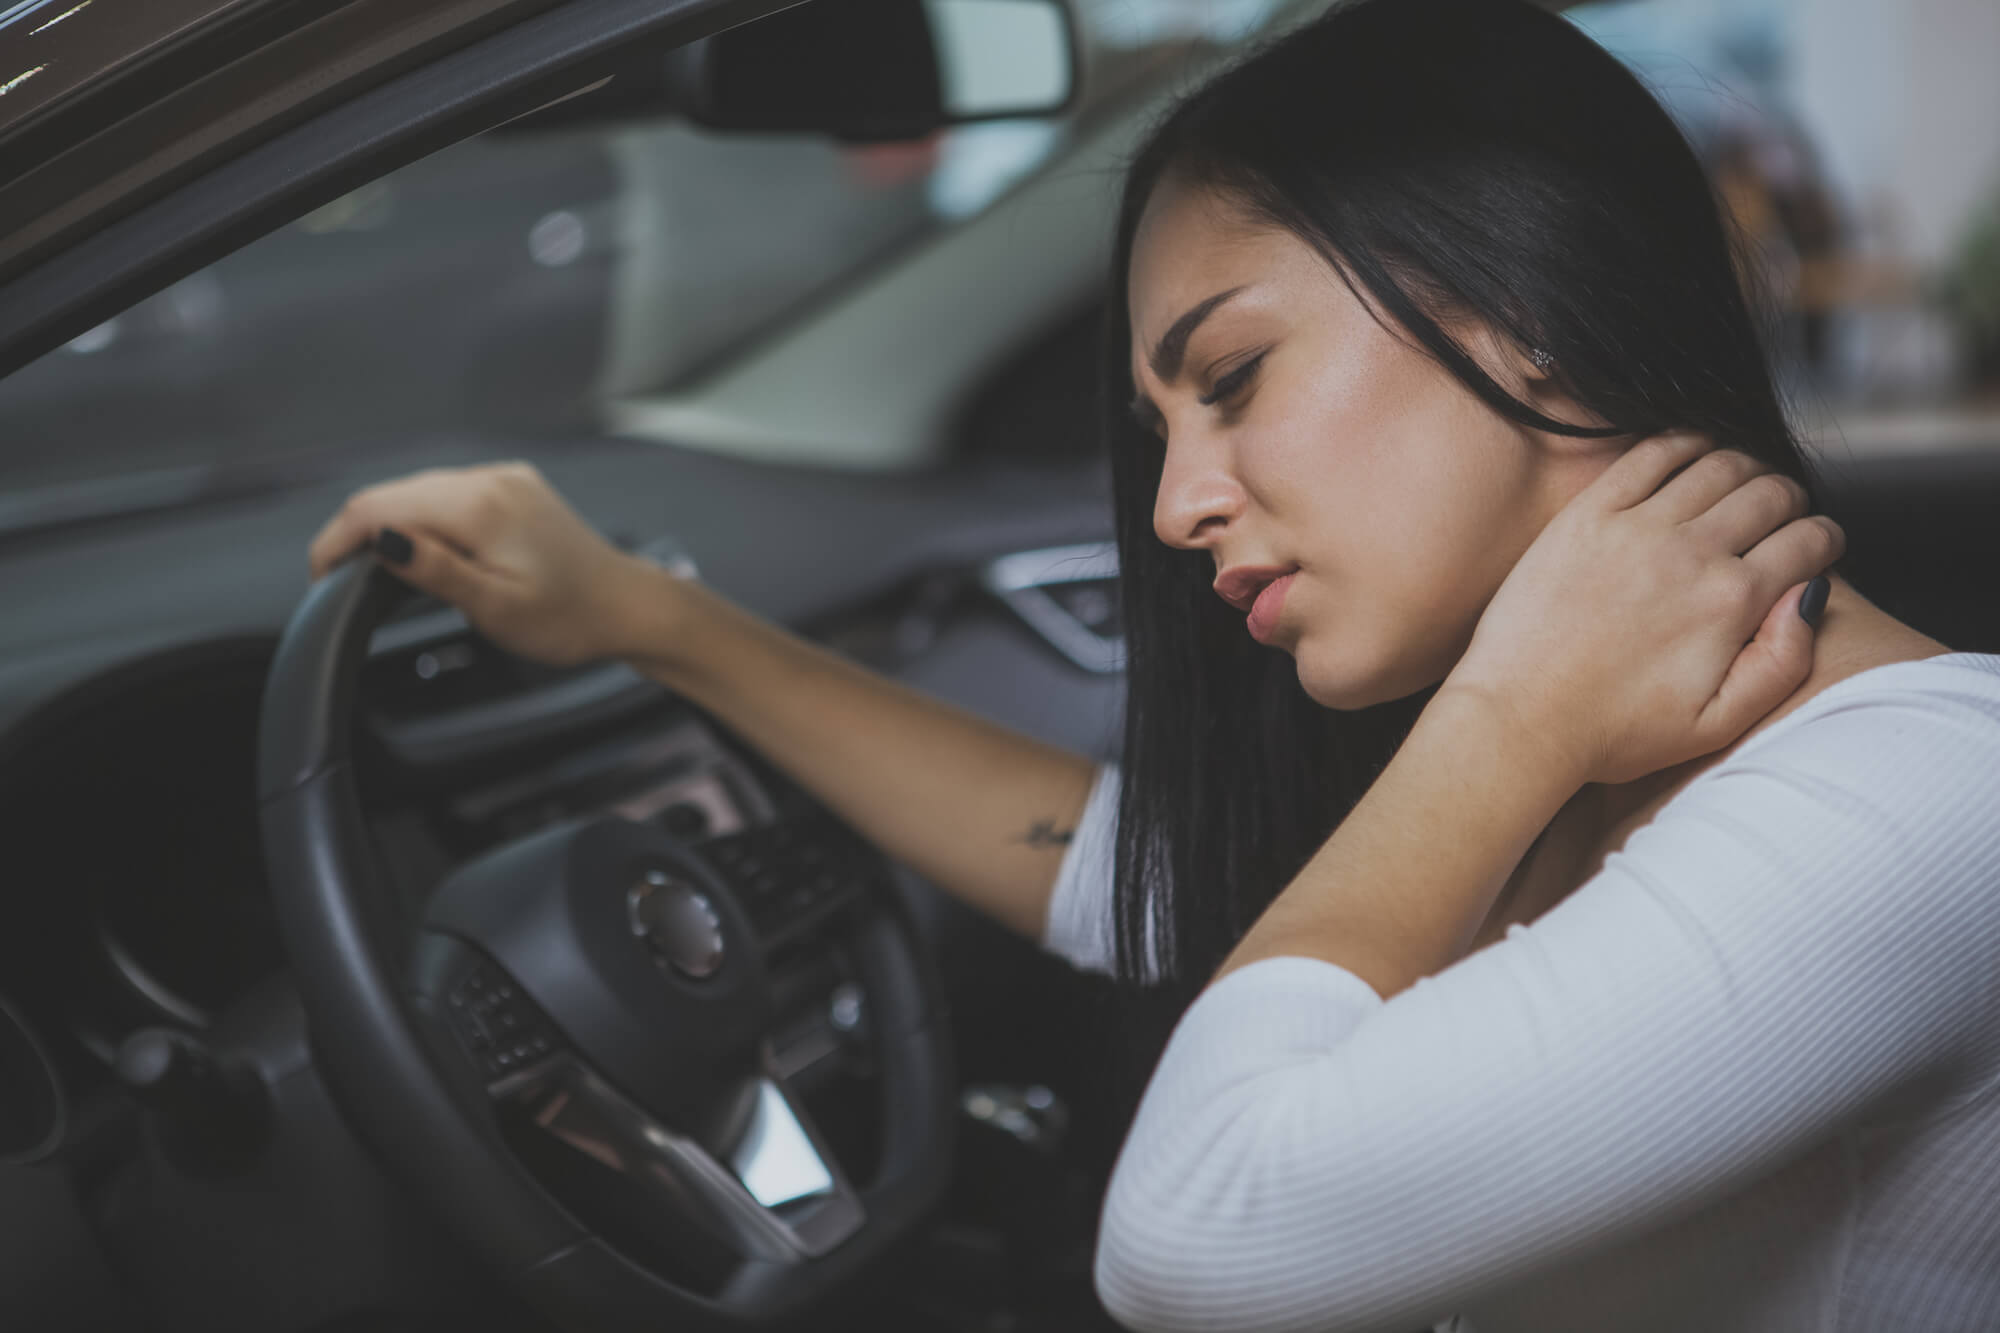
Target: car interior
{"x":309,"y":1019}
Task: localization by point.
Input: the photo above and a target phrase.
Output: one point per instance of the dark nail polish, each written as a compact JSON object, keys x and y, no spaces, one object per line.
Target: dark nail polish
{"x":393,"y":546}
{"x":1813,"y":601}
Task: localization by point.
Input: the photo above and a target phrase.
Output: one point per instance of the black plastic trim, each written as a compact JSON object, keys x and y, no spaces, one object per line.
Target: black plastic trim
{"x":478,"y":731}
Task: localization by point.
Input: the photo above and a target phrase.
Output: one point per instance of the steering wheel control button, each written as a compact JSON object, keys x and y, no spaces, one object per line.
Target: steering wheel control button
{"x":679,"y":924}
{"x":685,"y":819}
{"x":843,"y":1008}
{"x":789,"y":875}
{"x":498,"y":1026}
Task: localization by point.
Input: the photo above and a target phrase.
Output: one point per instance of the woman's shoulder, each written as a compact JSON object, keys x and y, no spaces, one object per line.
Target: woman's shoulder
{"x":1952,"y":696}
{"x":1974,"y":675}
{"x":1907,"y":750}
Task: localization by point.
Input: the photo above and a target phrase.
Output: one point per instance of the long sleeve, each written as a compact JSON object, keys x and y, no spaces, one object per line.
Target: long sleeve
{"x":1808,"y":930}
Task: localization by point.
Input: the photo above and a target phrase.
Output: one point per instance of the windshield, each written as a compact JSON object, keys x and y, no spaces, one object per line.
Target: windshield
{"x":518,"y":282}
{"x":515,"y":281}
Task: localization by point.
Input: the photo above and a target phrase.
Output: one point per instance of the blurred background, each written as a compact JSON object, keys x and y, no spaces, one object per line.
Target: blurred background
{"x":544,"y":281}
{"x":1857,"y":144}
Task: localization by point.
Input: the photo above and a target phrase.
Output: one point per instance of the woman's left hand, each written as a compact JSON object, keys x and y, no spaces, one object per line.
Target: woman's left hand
{"x":1622,"y":641}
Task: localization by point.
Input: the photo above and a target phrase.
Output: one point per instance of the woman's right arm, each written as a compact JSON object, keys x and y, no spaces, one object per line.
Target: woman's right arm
{"x":982,"y":811}
{"x":1800,"y":944}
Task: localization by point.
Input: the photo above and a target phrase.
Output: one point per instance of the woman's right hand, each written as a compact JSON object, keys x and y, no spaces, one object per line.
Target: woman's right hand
{"x":502,"y":546}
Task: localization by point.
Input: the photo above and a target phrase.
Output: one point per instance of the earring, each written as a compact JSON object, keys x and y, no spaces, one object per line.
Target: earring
{"x":1544,"y":359}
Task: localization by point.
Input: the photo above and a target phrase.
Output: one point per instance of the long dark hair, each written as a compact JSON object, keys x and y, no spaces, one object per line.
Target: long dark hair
{"x":1450,"y":157}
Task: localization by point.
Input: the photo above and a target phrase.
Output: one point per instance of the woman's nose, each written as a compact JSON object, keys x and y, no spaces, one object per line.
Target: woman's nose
{"x":1199,"y":496}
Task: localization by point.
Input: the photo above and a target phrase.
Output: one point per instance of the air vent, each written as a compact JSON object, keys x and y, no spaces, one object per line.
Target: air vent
{"x":1069,"y":596}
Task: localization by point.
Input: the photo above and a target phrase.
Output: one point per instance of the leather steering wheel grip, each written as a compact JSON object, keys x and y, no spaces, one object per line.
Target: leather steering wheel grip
{"x":414,"y":1101}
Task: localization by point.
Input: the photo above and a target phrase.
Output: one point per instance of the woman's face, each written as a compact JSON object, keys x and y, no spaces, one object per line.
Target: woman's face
{"x":1303,"y":437}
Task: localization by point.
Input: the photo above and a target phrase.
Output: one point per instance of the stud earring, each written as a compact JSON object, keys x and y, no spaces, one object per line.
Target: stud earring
{"x":1544,"y":359}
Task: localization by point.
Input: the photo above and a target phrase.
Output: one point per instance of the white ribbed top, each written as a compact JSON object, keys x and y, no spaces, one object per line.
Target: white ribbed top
{"x":1746,"y":1078}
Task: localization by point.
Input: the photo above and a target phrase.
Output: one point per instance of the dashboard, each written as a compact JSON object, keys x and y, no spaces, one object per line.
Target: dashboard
{"x":141,"y":895}
{"x":132,"y":659}
{"x":133,"y":655}
{"x":132,"y":663}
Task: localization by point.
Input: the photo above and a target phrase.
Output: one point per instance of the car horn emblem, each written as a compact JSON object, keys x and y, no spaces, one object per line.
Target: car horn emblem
{"x":678,"y":922}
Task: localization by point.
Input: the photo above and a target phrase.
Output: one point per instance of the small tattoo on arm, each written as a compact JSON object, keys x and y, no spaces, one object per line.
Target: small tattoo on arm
{"x":1044,"y":833}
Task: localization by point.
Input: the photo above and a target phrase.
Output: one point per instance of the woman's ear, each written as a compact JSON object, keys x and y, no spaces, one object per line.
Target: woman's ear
{"x":1529,"y":373}
{"x":1540,"y":381}
{"x":1534,"y":376}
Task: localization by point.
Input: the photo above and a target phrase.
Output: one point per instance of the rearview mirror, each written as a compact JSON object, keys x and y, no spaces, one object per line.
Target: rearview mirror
{"x":854,"y":69}
{"x":882,"y":69}
{"x":1002,"y":57}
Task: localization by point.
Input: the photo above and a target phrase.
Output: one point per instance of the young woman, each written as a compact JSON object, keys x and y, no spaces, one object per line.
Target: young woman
{"x":1575,"y":937}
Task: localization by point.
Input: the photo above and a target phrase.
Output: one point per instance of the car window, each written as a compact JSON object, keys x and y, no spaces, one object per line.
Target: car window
{"x":512,"y":280}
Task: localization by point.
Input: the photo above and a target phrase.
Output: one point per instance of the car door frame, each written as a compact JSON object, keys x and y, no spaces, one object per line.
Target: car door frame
{"x":293,"y":145}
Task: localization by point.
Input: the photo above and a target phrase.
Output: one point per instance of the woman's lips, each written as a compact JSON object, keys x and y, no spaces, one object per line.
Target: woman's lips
{"x":1270,"y":604}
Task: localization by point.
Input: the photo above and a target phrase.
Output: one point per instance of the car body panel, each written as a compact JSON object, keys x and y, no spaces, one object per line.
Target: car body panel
{"x":109,"y":146}
{"x":57,"y":53}
{"x":87,"y":228}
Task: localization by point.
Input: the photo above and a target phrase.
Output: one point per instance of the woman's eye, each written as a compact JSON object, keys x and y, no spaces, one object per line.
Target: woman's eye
{"x":1231,"y":384}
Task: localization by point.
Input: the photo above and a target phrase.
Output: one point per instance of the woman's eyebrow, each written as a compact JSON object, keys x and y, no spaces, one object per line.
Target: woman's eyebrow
{"x":1172,"y":347}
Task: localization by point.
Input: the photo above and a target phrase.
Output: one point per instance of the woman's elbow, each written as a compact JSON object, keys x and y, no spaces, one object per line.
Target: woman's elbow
{"x":1220,"y":1226}
{"x":1155,"y":1285}
{"x":1203,"y":1283}
{"x":1151,"y":1282}
{"x":1189,"y":1255}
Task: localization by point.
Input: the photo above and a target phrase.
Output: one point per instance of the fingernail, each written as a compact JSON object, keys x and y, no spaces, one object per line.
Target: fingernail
{"x":1813,"y":600}
{"x":393,"y":546}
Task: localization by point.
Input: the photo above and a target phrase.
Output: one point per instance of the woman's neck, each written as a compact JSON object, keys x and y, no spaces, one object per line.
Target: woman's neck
{"x":1854,"y":635}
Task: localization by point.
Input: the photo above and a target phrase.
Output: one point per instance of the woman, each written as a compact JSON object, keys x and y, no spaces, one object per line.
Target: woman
{"x":1646,"y":986}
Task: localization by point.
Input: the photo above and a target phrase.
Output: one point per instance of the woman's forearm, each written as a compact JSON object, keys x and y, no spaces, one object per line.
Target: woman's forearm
{"x":1399,"y":890}
{"x":982,"y":811}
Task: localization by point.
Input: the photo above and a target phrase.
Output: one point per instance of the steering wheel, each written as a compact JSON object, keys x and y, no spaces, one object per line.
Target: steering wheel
{"x":591,"y":1000}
